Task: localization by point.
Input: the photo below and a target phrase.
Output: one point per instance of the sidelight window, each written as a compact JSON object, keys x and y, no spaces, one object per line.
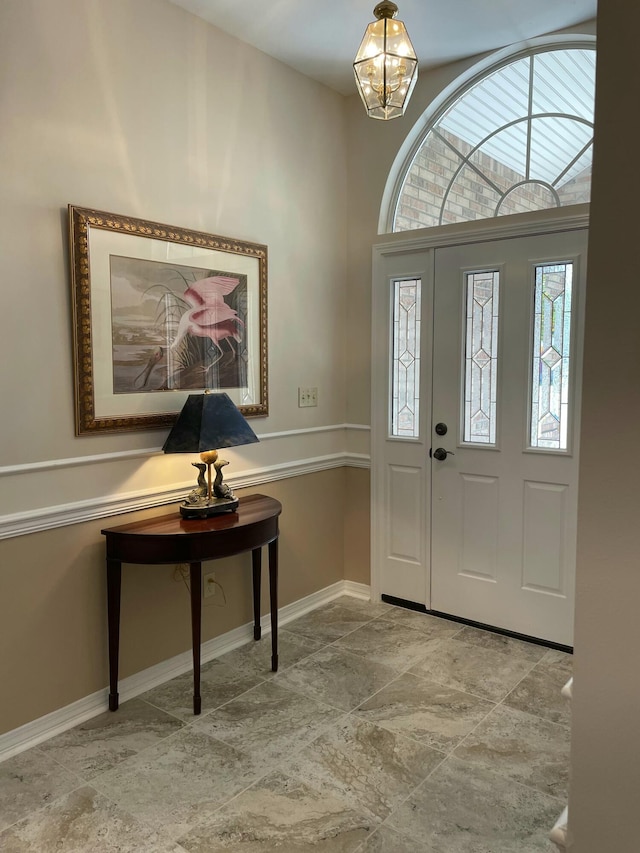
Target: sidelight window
{"x":551,"y":359}
{"x":405,"y":390}
{"x":481,"y":357}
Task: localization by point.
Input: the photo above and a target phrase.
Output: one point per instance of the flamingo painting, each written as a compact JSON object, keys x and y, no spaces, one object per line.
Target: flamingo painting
{"x":209,"y":315}
{"x":177,"y":327}
{"x":155,"y":358}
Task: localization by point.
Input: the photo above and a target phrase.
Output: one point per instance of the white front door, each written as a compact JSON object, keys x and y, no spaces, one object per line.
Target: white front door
{"x":486,"y":532}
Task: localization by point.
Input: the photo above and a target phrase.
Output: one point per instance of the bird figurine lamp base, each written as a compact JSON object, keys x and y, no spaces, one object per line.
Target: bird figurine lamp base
{"x":210,"y":497}
{"x":206,"y":509}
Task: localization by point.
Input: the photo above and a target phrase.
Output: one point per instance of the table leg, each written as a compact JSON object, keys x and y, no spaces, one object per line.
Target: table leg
{"x":195,"y":579}
{"x":256,"y":558}
{"x":114,"y":584}
{"x":273,"y":600}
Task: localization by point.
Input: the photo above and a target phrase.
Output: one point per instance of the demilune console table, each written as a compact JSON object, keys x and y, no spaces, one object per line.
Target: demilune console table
{"x":170,"y":538}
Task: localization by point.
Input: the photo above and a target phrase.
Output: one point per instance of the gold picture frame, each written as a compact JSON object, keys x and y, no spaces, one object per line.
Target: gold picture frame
{"x":160,"y":312}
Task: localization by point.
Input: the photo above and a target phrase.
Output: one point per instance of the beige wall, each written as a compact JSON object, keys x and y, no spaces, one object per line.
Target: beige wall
{"x":138,"y":108}
{"x":53,"y":598}
{"x":357,"y":552}
{"x":605,"y":789}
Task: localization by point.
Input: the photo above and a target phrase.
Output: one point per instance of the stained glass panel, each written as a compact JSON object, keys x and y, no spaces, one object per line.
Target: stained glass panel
{"x":551,"y":356}
{"x":405,"y":373}
{"x":481,"y":357}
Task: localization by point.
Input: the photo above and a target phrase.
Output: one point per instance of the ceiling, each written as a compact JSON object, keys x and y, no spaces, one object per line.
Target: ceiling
{"x":320,"y":39}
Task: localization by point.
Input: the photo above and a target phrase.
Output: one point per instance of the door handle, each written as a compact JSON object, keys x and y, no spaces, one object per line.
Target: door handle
{"x":441,"y":454}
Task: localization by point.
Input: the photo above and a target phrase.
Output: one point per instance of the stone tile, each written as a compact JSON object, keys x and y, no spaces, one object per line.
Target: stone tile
{"x":218,"y":684}
{"x":155,"y":779}
{"x":387,"y":840}
{"x":473,"y":669}
{"x":104,"y":741}
{"x":540,"y":692}
{"x":464,"y":809}
{"x":432,"y":626}
{"x":501,"y":643}
{"x":29,"y":781}
{"x":279,"y":813}
{"x":180,"y":782}
{"x":83,"y":822}
{"x":522,"y":747}
{"x":330,"y":622}
{"x":372,"y":608}
{"x":433,"y":714}
{"x":561,"y":661}
{"x":254,"y":658}
{"x":364,"y":765}
{"x":269,"y":722}
{"x":337,"y":678}
{"x":389,"y":643}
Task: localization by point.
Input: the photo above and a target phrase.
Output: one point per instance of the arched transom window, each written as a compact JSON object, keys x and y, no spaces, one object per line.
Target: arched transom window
{"x":519,"y":139}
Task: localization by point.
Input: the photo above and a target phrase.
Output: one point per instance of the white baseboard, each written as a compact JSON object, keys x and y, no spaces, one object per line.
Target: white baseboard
{"x":52,"y":724}
{"x":356,"y":590}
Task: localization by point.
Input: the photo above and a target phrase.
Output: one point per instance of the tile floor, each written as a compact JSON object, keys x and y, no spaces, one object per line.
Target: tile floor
{"x":385,"y":731}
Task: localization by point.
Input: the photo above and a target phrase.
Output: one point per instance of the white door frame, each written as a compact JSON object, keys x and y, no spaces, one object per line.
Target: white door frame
{"x":519,"y":225}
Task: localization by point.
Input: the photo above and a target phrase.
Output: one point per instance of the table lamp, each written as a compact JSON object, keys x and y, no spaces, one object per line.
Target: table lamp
{"x":207,"y":423}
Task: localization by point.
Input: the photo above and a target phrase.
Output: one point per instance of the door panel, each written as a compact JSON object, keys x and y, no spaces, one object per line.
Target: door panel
{"x":545,"y":519}
{"x":479,"y":526}
{"x":486,"y":533}
{"x":405,"y":496}
{"x":503,"y":517}
{"x":400,"y":486}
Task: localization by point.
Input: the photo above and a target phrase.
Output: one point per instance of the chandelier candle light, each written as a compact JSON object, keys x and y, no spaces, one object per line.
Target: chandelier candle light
{"x":386,"y":65}
{"x":206,"y":423}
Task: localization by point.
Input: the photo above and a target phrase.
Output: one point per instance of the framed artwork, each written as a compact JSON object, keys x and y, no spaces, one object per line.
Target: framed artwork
{"x":161,"y":312}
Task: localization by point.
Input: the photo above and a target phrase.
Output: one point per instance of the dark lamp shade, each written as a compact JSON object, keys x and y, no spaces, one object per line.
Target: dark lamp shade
{"x":208,"y":422}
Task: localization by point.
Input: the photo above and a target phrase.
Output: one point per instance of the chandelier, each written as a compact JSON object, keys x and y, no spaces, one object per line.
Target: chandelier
{"x":386,"y":65}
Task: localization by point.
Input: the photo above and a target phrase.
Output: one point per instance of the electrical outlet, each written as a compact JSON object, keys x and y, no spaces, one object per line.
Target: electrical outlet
{"x":307,"y":397}
{"x":209,"y":584}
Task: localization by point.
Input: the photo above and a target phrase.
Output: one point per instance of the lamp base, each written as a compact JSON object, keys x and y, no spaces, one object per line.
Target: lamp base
{"x":207,"y":509}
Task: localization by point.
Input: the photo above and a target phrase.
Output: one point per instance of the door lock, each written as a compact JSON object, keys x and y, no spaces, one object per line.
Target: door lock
{"x":441,"y":429}
{"x":441,"y":454}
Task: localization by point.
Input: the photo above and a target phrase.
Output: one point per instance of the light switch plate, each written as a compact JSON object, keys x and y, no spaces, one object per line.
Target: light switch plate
{"x":307,"y":397}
